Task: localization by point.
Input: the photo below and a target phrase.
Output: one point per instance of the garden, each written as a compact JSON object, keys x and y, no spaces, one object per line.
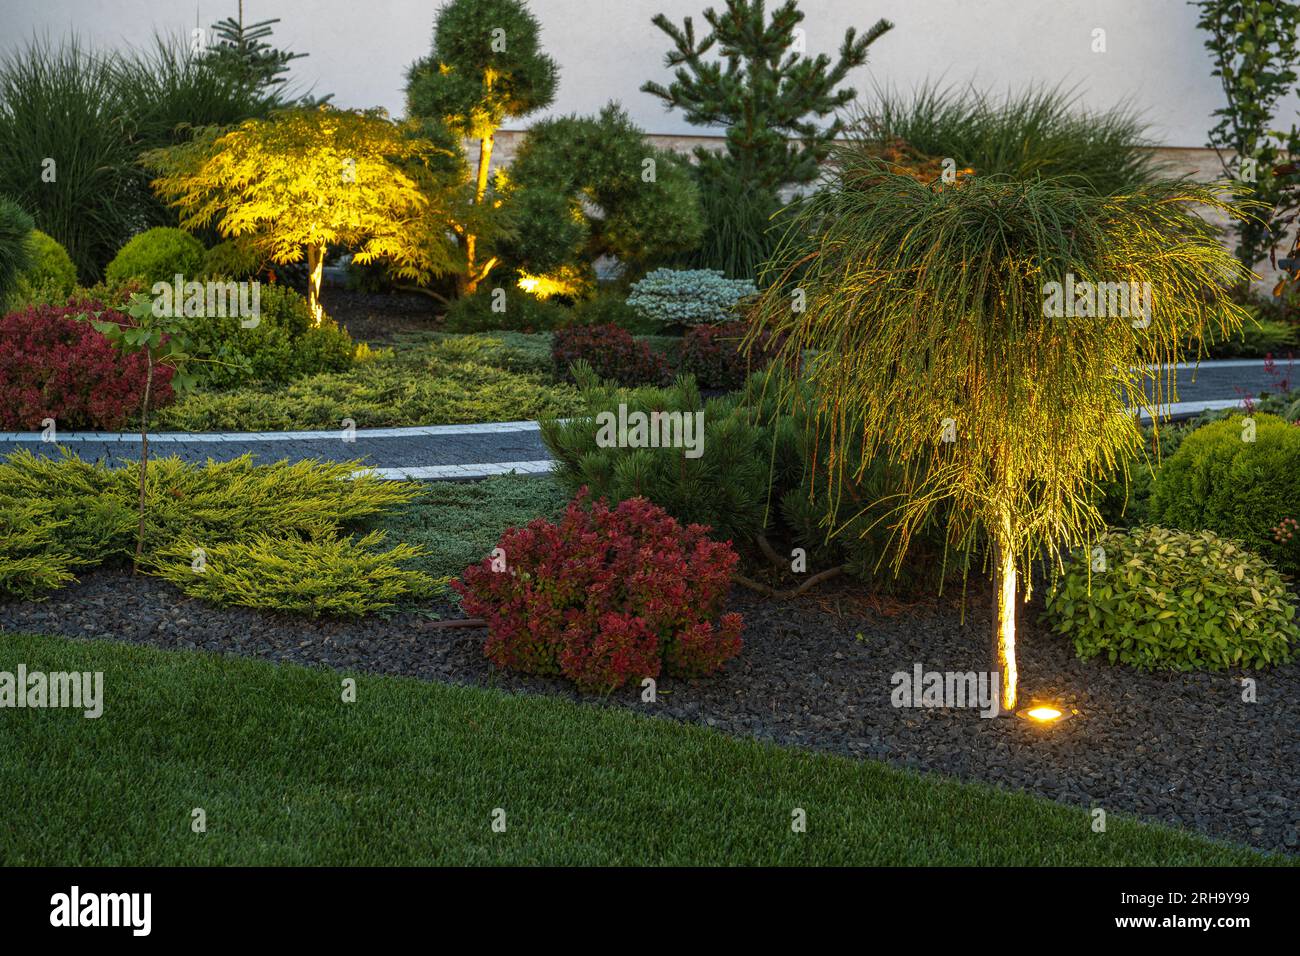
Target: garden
{"x":811,"y":497}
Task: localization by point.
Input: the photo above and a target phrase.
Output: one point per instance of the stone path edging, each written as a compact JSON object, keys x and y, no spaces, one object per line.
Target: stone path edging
{"x":461,"y":452}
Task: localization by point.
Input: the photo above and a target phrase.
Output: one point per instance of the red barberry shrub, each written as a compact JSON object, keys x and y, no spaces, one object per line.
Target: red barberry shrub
{"x":612,"y":353}
{"x":54,"y":366}
{"x":712,"y":353}
{"x":606,"y":596}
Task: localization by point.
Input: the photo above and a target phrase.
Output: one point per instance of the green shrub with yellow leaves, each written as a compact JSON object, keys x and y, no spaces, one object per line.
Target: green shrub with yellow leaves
{"x":1158,"y":599}
{"x":60,"y":514}
{"x":341,"y":577}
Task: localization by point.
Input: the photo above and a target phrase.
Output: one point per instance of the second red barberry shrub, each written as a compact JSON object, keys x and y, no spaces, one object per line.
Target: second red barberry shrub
{"x":713,"y":354}
{"x":606,"y":596}
{"x":612,"y":353}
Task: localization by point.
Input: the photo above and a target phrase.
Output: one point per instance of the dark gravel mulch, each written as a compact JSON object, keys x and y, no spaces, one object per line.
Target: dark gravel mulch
{"x":1184,"y":749}
{"x":377,"y":317}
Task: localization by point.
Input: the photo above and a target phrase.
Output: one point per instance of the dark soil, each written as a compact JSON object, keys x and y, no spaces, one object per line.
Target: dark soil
{"x":1184,"y":749}
{"x":377,"y":318}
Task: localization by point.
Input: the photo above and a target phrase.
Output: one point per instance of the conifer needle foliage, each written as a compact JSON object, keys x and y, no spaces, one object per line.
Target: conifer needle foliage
{"x":924,"y":306}
{"x":277,"y":535}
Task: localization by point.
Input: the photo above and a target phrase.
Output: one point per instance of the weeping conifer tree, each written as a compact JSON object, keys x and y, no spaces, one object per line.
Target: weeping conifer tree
{"x":924,"y":306}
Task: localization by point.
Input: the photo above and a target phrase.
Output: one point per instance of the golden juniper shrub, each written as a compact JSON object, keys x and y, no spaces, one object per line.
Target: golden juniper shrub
{"x":57,"y":514}
{"x":342,"y":577}
{"x":32,"y":558}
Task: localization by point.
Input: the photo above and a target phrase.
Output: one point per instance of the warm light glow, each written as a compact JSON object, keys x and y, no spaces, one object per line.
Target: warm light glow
{"x":546,"y":286}
{"x":1044,"y":713}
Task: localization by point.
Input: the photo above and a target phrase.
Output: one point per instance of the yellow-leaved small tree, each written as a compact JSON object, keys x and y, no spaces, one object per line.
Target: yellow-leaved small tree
{"x":308,"y":179}
{"x":990,"y":340}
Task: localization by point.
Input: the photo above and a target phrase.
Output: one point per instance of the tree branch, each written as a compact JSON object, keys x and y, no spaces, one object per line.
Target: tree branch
{"x":787,"y":595}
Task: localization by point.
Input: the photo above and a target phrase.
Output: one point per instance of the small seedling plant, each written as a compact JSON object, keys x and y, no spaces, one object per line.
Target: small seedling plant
{"x":164,"y":339}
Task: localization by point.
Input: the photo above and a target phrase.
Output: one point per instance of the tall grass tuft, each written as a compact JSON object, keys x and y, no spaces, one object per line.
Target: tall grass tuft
{"x":740,"y":224}
{"x":65,"y":149}
{"x":1040,"y":133}
{"x":73,"y":123}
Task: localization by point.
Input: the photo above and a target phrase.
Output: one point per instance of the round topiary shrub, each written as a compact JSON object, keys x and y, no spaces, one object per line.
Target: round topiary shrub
{"x":606,"y":596}
{"x":54,"y":366}
{"x":157,"y":255}
{"x":282,"y":346}
{"x":613,"y":354}
{"x":1158,"y":599}
{"x":1239,"y":478}
{"x":688,"y":297}
{"x":15,"y":249}
{"x":51,"y":277}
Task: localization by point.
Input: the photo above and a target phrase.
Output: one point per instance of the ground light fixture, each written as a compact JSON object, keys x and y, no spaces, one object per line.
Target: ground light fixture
{"x":1044,"y":712}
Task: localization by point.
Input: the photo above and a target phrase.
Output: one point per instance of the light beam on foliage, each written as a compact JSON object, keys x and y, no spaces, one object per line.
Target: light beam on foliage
{"x":307,"y":180}
{"x":925,"y":311}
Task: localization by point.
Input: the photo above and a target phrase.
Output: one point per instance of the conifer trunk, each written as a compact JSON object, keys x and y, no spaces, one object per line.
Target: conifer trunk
{"x":1004,"y":611}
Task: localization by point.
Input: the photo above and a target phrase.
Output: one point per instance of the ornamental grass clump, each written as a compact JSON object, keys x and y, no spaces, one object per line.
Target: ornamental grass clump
{"x":1158,"y":599}
{"x":930,"y":310}
{"x":606,"y":596}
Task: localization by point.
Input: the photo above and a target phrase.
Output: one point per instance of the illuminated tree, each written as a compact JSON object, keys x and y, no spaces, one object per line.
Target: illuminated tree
{"x":308,"y":179}
{"x":485,"y":67}
{"x":927,"y":307}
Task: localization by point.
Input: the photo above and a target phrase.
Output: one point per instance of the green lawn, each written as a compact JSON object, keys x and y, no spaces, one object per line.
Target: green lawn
{"x":411,"y":774}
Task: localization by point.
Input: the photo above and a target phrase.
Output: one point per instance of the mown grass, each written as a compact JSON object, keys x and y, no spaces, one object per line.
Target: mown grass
{"x":411,"y":773}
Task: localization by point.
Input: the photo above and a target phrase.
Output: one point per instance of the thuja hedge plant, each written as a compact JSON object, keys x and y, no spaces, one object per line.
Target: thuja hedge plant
{"x":1239,"y":477}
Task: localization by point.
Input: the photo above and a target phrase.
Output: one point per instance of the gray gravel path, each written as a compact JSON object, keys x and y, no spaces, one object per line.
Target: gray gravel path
{"x":468,"y":451}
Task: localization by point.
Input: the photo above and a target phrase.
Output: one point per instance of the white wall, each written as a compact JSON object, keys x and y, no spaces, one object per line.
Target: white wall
{"x":608,"y":48}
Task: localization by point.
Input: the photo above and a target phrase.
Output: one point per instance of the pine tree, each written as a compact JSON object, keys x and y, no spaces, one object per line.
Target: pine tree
{"x":763,"y":88}
{"x":485,"y":66}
